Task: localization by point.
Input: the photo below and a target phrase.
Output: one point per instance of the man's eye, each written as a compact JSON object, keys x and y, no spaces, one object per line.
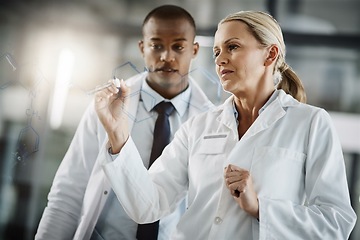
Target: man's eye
{"x":178,"y":47}
{"x":156,"y":46}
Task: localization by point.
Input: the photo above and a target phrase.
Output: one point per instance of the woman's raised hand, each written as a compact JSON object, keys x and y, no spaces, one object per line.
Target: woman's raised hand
{"x":111,"y":106}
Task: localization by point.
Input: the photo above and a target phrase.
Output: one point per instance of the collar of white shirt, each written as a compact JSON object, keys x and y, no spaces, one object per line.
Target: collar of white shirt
{"x":151,"y":98}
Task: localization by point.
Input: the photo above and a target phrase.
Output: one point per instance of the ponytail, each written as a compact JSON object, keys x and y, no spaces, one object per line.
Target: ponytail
{"x":291,"y":83}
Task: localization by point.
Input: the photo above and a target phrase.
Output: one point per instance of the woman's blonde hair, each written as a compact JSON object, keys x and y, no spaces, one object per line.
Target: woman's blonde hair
{"x":268,"y":32}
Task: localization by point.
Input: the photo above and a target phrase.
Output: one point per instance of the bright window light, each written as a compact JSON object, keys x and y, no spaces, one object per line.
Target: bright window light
{"x":64,"y":73}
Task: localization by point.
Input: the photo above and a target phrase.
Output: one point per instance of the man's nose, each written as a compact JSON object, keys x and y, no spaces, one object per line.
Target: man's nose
{"x":167,"y":56}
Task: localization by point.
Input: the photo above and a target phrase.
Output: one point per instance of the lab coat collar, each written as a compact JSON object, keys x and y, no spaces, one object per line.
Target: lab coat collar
{"x":272,"y":111}
{"x":226,"y":115}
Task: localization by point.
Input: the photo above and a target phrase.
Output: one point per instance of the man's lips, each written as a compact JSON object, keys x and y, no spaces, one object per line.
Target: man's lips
{"x":165,"y":70}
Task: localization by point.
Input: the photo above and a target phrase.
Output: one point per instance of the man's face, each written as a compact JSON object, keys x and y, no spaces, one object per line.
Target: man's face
{"x":168,"y":48}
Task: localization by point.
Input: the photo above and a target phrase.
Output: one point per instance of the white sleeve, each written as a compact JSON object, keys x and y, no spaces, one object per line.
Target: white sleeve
{"x":61,"y":215}
{"x":149,"y":195}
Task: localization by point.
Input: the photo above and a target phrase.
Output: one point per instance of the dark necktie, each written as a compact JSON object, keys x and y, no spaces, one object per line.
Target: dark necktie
{"x":161,"y":139}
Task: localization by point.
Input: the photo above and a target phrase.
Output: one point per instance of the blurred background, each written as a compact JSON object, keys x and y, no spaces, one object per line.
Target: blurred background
{"x":53,"y":52}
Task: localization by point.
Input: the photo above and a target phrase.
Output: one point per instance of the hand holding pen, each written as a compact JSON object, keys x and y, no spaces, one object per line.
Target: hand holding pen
{"x":115,"y":81}
{"x":111,"y":104}
{"x":240,"y":184}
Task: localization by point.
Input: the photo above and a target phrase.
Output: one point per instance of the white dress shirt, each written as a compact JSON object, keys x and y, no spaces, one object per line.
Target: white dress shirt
{"x":293,"y":155}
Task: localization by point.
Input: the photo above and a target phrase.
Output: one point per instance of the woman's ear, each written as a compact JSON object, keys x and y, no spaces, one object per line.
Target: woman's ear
{"x":272,"y":55}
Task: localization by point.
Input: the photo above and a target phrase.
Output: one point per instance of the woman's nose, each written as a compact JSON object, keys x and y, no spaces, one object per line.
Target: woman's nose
{"x":220,"y":59}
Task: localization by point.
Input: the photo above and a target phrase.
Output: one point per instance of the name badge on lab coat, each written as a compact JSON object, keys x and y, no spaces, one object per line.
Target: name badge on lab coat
{"x":213,"y":144}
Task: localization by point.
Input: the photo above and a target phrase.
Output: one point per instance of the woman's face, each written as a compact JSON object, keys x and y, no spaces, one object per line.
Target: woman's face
{"x":239,"y":58}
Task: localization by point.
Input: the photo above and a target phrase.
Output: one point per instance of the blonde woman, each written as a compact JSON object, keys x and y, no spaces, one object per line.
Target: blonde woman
{"x":263,"y":165}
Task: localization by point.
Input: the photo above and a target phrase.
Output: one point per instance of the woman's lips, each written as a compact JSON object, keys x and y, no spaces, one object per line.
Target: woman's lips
{"x":225,"y":72}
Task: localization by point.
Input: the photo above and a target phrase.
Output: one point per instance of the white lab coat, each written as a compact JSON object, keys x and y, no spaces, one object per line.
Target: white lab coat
{"x":80,"y":189}
{"x":292,"y":153}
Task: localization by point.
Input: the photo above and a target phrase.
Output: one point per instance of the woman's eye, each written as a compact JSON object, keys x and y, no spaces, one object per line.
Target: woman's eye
{"x":232,"y":47}
{"x":215,"y":54}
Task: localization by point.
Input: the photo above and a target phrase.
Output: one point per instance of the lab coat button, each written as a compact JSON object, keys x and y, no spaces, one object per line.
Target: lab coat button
{"x":105,"y":192}
{"x":218,"y":220}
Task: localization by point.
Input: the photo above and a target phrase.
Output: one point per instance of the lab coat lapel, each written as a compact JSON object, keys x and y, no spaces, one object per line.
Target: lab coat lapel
{"x":227,"y":117}
{"x":268,"y":117}
{"x":199,"y":101}
{"x":94,"y":200}
{"x":135,"y":89}
{"x":271,"y":114}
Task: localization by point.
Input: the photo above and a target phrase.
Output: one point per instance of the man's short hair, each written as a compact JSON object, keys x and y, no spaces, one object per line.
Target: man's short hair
{"x":170,"y":12}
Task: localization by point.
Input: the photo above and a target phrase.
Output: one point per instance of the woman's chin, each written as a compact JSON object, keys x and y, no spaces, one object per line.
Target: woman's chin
{"x":226,"y":87}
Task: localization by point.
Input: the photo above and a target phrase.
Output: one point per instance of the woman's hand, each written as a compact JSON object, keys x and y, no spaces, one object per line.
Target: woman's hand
{"x":111,"y":107}
{"x":240,"y":184}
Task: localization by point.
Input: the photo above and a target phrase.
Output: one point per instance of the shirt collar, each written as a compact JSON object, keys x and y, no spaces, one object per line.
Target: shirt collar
{"x":236,"y":114}
{"x":151,"y":98}
{"x":270,"y":100}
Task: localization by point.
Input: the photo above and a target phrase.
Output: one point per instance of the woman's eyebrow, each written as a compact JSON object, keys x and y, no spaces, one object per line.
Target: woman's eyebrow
{"x":227,"y":41}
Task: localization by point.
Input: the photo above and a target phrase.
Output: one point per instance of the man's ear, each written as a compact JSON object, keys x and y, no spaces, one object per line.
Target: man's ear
{"x":272,"y":55}
{"x":196,"y":48}
{"x":141,"y":46}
